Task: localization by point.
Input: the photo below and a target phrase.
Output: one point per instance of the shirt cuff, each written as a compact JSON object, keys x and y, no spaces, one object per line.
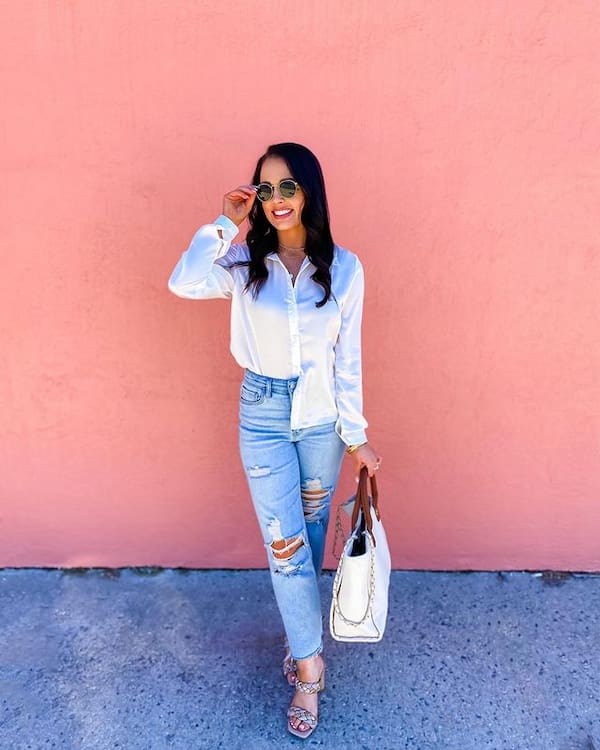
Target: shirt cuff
{"x":230,"y":229}
{"x":353,"y":437}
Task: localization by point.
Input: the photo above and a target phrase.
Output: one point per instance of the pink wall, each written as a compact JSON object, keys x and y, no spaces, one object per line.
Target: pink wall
{"x":460,"y":145}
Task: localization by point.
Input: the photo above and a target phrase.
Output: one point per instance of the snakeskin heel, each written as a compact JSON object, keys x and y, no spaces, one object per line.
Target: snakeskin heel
{"x":305,"y":716}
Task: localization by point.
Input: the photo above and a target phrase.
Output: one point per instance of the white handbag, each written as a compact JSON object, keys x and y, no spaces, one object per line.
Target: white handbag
{"x":360,"y":590}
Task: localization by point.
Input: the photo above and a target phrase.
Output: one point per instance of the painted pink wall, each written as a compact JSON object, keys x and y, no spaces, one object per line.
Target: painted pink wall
{"x":460,"y":145}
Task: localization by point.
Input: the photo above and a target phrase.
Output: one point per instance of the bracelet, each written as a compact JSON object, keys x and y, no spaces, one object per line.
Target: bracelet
{"x":353,"y":448}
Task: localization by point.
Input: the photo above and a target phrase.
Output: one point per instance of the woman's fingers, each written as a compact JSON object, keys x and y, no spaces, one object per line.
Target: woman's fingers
{"x":243,"y":192}
{"x":366,"y":456}
{"x":237,"y":195}
{"x":238,"y":203}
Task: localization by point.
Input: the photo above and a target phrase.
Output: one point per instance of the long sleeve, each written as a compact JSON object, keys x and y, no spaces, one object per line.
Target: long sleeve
{"x":197,"y":275}
{"x":351,"y":424}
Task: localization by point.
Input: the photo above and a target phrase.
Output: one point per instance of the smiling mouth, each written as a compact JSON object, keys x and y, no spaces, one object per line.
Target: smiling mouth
{"x":281,"y":214}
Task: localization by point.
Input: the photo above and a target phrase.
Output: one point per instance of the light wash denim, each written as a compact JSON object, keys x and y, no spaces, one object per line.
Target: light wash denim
{"x":292,"y":475}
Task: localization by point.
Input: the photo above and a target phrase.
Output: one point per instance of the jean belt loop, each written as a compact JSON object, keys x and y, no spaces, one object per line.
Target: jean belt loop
{"x":268,"y":387}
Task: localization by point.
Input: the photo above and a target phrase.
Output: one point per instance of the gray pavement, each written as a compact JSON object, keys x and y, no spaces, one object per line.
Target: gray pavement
{"x":146,"y":659}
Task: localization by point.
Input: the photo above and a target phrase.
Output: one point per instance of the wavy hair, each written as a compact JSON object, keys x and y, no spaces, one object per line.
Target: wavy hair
{"x":262,"y":236}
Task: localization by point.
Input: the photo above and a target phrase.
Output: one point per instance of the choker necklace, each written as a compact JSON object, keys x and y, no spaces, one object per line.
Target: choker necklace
{"x":285,"y":247}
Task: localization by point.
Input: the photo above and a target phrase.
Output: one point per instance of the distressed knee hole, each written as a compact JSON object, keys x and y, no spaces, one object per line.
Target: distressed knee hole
{"x":288,"y":554}
{"x":283,"y":549}
{"x":313,"y":499}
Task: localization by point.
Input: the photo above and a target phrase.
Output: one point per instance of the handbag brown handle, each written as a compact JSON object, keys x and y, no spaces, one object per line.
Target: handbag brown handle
{"x":362,"y":502}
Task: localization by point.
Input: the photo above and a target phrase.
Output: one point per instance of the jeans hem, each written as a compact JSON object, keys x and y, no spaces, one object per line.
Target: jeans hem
{"x":314,"y":653}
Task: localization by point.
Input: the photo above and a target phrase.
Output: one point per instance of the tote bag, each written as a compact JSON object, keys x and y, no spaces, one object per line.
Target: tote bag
{"x":359,"y":603}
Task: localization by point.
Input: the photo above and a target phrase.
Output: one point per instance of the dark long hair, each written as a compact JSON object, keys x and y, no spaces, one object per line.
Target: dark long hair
{"x":262,"y":236}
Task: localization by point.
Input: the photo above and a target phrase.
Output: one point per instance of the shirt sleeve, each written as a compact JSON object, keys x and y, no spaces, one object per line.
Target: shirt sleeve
{"x":197,"y":275}
{"x":351,"y":424}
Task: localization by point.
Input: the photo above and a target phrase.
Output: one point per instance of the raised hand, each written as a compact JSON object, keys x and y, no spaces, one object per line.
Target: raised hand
{"x":237,"y":203}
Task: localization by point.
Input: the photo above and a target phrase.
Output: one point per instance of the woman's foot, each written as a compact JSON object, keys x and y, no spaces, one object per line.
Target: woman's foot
{"x":304,"y":711}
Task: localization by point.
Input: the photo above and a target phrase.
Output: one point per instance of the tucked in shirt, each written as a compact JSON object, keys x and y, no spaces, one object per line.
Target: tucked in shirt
{"x":281,"y":333}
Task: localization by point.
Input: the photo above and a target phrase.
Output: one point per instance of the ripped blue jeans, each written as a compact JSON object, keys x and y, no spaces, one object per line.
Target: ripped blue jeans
{"x":292,"y":475}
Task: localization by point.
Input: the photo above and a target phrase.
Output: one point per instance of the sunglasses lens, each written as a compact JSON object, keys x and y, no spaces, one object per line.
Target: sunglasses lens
{"x":264,"y":192}
{"x":287,"y":188}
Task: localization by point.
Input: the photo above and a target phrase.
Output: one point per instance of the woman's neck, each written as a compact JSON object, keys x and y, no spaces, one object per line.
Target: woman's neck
{"x":292,"y":241}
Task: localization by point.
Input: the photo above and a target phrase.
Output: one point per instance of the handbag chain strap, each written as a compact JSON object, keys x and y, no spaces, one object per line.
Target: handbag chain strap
{"x":370,"y":594}
{"x":339,"y":533}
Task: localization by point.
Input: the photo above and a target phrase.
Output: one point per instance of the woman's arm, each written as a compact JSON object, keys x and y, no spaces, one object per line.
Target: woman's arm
{"x":196,"y":275}
{"x":351,"y":424}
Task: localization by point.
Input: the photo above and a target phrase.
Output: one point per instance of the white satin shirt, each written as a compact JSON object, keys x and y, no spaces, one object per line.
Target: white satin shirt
{"x":281,"y":334}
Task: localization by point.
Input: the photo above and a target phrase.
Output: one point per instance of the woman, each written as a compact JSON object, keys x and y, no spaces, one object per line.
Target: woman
{"x":296,"y":308}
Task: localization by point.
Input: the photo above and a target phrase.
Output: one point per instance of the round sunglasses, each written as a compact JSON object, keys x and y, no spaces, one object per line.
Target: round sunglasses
{"x":287,"y":189}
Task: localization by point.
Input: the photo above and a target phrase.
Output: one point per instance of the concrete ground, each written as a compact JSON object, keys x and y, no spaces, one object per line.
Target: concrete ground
{"x":146,"y":659}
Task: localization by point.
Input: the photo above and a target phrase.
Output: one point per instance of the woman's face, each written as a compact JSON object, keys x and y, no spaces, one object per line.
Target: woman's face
{"x":282,"y":213}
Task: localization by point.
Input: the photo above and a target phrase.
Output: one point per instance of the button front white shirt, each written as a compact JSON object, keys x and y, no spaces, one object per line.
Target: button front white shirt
{"x":281,"y":333}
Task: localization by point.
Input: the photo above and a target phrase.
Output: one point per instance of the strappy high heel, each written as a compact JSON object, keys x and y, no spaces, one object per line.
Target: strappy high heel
{"x":305,"y":716}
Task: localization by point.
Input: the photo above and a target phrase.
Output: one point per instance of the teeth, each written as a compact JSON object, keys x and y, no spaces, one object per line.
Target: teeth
{"x":281,"y":213}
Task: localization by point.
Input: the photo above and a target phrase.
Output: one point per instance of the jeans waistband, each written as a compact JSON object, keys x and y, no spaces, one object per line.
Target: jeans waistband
{"x":272,"y":385}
